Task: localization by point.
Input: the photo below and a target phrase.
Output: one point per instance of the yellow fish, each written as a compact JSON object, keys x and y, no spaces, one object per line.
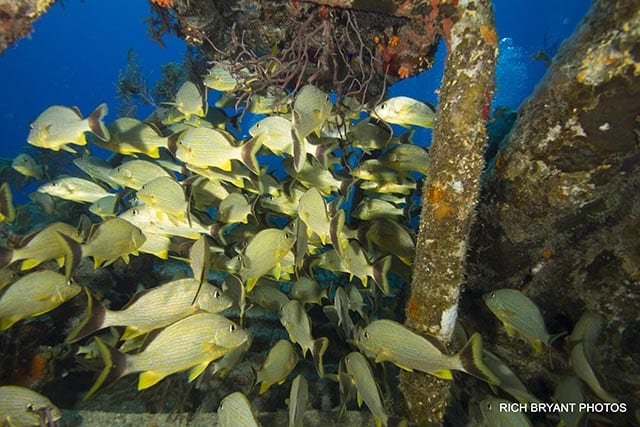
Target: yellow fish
{"x":361,"y":374}
{"x":405,"y":111}
{"x":41,"y":246}
{"x":389,"y":341}
{"x":74,"y":189}
{"x":220,"y":78}
{"x":234,"y":208}
{"x":58,"y":126}
{"x":130,"y":136}
{"x":280,"y":362}
{"x":135,"y":173}
{"x":20,"y":406}
{"x":114,"y":238}
{"x":189,"y":101}
{"x":152,"y":309}
{"x":27,"y":166}
{"x":35,"y":294}
{"x":97,"y":169}
{"x":236,"y":410}
{"x":165,"y":194}
{"x":520,"y":316}
{"x":311,"y":109}
{"x":297,"y":322}
{"x":204,"y":147}
{"x":188,"y":344}
{"x":264,"y":253}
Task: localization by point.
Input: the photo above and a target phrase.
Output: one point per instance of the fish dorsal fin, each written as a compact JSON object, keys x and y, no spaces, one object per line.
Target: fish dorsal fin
{"x":76,"y":110}
{"x":135,"y":298}
{"x":436,"y":343}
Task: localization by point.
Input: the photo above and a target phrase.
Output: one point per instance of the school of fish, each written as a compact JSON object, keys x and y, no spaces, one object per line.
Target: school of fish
{"x":314,"y":188}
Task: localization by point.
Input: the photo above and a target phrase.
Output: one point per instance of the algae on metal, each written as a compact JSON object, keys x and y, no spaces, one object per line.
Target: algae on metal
{"x":450,"y":195}
{"x":560,"y":212}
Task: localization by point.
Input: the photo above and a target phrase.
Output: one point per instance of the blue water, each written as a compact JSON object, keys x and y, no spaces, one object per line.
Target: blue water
{"x":75,"y":53}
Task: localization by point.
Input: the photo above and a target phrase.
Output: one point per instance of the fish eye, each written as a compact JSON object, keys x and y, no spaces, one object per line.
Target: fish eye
{"x":232,"y":327}
{"x":31,"y":407}
{"x":217,"y":294}
{"x":492,"y":295}
{"x":366,"y":335}
{"x":69,"y":282}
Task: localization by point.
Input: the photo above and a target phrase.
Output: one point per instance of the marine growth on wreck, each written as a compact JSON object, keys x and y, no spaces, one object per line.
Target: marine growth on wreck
{"x":286,"y":272}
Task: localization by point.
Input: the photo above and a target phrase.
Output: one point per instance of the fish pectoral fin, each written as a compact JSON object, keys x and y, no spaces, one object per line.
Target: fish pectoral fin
{"x":131,"y":332}
{"x":71,"y":150}
{"x":60,"y":261}
{"x":511,"y":331}
{"x":197,"y":370}
{"x":149,"y":378}
{"x":7,"y":322}
{"x":537,"y":345}
{"x":28,"y":264}
{"x":384,"y":356}
{"x":264,"y":386}
{"x":445,"y":374}
{"x":277,"y":271}
{"x":359,"y":400}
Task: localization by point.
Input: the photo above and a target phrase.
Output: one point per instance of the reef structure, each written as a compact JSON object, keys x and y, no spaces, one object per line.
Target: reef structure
{"x":350,"y":47}
{"x":17,"y":17}
{"x":559,"y":212}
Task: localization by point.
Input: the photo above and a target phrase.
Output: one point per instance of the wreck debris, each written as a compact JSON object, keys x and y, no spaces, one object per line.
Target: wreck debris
{"x":450,"y":194}
{"x":560,"y":205}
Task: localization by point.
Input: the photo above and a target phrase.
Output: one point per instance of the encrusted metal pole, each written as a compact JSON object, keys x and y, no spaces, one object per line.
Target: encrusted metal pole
{"x":451,"y":193}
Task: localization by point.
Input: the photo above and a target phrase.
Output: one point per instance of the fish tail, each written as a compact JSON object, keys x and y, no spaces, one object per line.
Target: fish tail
{"x":6,"y":256}
{"x":72,"y":254}
{"x":235,"y":121}
{"x":94,"y":320}
{"x":7,"y":210}
{"x":323,"y":154}
{"x":317,"y":351}
{"x":407,"y":137}
{"x":380,"y":271}
{"x":471,"y":358}
{"x":172,"y":142}
{"x":335,"y":230}
{"x":248,"y":154}
{"x":115,"y":366}
{"x":299,"y":151}
{"x":96,"y":125}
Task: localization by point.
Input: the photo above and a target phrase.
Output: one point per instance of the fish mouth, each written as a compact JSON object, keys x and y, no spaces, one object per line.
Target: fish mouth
{"x":49,"y":417}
